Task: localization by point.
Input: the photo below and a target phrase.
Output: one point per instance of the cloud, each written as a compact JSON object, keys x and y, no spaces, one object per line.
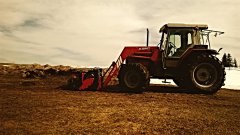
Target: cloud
{"x":20,"y":40}
{"x":71,"y":54}
{"x":31,"y":23}
{"x":4,"y":29}
{"x":4,"y":60}
{"x":8,"y":32}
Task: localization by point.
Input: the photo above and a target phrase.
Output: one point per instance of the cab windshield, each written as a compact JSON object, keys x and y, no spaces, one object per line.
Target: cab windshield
{"x":178,"y":41}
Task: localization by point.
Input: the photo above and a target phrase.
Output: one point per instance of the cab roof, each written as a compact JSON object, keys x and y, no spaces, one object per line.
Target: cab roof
{"x":182,"y":25}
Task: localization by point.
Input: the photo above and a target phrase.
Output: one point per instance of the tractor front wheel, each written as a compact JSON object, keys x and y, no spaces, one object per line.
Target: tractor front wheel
{"x":133,"y":77}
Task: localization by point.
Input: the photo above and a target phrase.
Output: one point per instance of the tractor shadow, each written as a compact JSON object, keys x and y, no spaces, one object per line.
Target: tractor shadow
{"x":171,"y":89}
{"x":154,"y":88}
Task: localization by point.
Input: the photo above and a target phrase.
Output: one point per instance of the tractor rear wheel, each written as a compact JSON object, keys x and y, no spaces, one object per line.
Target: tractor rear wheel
{"x":207,"y":74}
{"x":133,"y":77}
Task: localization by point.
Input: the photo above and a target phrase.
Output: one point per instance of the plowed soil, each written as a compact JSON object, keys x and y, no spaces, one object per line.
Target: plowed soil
{"x":41,"y":106}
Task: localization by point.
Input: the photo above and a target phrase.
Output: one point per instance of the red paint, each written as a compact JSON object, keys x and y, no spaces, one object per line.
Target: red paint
{"x":130,"y":51}
{"x":86,"y":83}
{"x":150,"y":53}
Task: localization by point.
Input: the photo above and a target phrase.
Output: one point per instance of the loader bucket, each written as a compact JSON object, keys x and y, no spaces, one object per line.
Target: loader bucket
{"x":91,"y":80}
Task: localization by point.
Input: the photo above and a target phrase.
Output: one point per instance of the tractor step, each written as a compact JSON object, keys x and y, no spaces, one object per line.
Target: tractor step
{"x":165,"y":81}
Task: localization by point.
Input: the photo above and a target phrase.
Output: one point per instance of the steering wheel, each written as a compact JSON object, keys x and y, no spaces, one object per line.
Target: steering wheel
{"x":172,"y":45}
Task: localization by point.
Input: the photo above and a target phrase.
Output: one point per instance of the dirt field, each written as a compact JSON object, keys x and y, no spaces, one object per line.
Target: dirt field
{"x":39,"y":106}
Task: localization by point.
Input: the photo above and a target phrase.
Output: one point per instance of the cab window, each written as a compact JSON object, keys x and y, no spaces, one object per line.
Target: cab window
{"x":178,"y":42}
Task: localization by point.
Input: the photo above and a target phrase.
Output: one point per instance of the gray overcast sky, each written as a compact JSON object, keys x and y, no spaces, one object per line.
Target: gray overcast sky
{"x":94,"y":32}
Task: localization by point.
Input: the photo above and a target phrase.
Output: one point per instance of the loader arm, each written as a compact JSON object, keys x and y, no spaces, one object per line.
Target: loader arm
{"x":115,"y":66}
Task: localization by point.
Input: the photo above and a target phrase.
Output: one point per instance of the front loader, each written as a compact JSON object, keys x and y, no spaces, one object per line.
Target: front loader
{"x":184,"y":54}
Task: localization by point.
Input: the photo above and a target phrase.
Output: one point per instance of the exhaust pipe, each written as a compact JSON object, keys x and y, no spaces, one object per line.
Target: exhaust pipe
{"x":147,"y":36}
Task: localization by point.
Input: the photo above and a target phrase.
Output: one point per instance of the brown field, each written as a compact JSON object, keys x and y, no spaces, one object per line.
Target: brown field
{"x":39,"y":106}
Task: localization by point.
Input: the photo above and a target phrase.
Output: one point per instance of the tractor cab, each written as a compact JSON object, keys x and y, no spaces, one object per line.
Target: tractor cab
{"x":179,"y":41}
{"x":177,"y":38}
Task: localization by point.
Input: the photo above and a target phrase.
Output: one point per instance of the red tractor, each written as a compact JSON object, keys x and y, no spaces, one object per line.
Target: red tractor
{"x":183,"y":55}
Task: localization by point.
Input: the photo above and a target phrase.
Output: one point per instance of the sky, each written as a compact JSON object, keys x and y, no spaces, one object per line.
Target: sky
{"x":94,"y":32}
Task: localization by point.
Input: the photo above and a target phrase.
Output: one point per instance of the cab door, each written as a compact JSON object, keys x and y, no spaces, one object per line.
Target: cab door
{"x":163,"y":49}
{"x":178,"y":41}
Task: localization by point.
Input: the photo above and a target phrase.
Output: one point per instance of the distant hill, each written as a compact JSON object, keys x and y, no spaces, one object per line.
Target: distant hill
{"x":7,"y":63}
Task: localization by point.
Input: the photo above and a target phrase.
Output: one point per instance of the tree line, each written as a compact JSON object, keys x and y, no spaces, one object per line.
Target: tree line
{"x":228,"y":61}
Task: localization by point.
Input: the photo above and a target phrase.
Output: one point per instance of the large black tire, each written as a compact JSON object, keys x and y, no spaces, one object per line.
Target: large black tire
{"x":206,"y":74}
{"x":133,"y":77}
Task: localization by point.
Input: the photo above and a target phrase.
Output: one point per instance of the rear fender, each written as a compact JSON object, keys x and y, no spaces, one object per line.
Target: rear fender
{"x":192,"y":53}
